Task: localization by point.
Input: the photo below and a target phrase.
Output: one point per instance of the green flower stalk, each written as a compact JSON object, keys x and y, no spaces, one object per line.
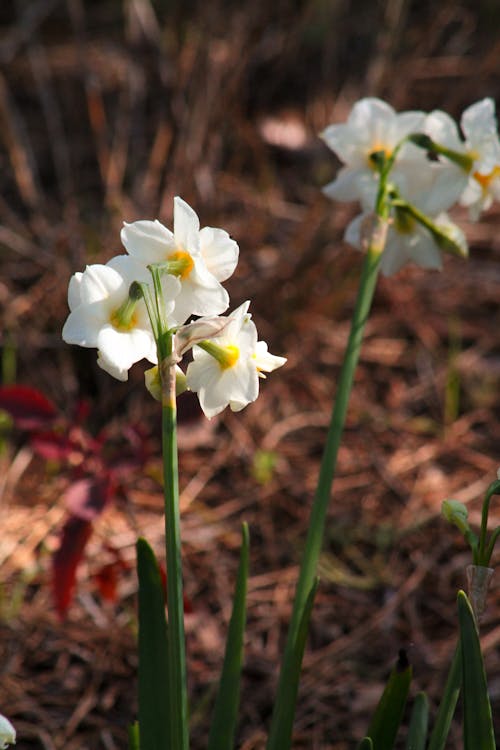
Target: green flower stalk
{"x":457,"y":514}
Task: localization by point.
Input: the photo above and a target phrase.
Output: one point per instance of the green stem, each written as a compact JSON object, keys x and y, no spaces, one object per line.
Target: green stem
{"x":491,"y":546}
{"x":321,"y":500}
{"x":178,"y":710}
{"x":493,"y":489}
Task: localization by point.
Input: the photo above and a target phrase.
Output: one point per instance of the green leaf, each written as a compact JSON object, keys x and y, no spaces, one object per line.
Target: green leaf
{"x":226,"y":705}
{"x":153,"y":658}
{"x":448,"y":703}
{"x":365,"y":744}
{"x":389,"y":712}
{"x":419,"y":721}
{"x":280,"y":737}
{"x":478,"y":724}
{"x":133,"y":736}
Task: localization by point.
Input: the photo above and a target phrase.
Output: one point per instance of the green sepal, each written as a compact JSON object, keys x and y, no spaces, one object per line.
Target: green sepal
{"x":389,"y":712}
{"x":464,"y":161}
{"x":365,"y":744}
{"x":445,"y":235}
{"x":225,"y":714}
{"x":419,"y":722}
{"x":478,"y":723}
{"x":280,"y":737}
{"x":153,"y":655}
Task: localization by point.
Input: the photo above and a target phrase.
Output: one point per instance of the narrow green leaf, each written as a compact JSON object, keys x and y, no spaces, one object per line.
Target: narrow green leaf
{"x":227,"y":702}
{"x":389,"y":712}
{"x":280,"y":737}
{"x":419,"y":722}
{"x":448,"y":704}
{"x":153,"y":658}
{"x":133,"y":736}
{"x":478,"y":724}
{"x":365,"y":744}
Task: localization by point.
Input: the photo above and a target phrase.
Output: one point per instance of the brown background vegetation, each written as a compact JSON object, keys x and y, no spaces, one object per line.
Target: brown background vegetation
{"x":109,"y":109}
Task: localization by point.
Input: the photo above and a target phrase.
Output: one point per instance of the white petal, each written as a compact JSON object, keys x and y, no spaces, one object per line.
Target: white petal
{"x":186,"y":227}
{"x":352,"y":234}
{"x":347,"y":185}
{"x":443,"y":130}
{"x":130,"y":269}
{"x":74,"y":295}
{"x":116,"y":371}
{"x":264,"y":360}
{"x":148,"y":241}
{"x":395,"y":254}
{"x":479,"y":119}
{"x":201,"y":294}
{"x":374,"y":116}
{"x":83,"y":324}
{"x":7,"y":732}
{"x":219,"y":252}
{"x":202,"y":376}
{"x":100,"y":282}
{"x":348,"y":143}
{"x":424,"y":252}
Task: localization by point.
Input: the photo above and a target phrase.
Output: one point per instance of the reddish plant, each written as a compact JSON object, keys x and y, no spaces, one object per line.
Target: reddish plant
{"x":95,"y":474}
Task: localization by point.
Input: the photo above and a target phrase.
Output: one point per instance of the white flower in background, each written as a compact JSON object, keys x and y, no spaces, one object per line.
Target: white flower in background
{"x":372,"y":126}
{"x":7,"y":733}
{"x":225,"y":371}
{"x":199,"y":259}
{"x":407,"y":239}
{"x":102,"y":314}
{"x":480,"y":186}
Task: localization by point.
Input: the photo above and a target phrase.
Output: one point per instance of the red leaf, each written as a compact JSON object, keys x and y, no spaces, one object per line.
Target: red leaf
{"x":107,"y":579}
{"x":86,"y":498}
{"x":74,"y":537}
{"x":29,"y":408}
{"x":52,"y":446}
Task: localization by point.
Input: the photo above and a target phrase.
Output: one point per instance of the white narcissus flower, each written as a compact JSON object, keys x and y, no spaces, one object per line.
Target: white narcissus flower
{"x":225,"y":371}
{"x":7,"y":733}
{"x":408,"y":241}
{"x":372,"y":126}
{"x":103,"y":316}
{"x":481,"y":185}
{"x":200,"y":259}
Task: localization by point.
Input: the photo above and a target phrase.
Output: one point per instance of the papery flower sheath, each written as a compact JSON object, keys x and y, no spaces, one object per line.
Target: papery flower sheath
{"x":199,"y":259}
{"x":373,"y":126}
{"x":102,"y":314}
{"x":225,"y":371}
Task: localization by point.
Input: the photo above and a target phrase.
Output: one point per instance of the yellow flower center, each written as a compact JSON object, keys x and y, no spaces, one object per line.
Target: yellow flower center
{"x":229,"y":357}
{"x":485,"y":180}
{"x":377,"y":148}
{"x":226,"y":356}
{"x":182,"y":263}
{"x":123,"y":322}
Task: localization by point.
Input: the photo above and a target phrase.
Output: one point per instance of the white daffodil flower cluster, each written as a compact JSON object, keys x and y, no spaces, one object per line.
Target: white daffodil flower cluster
{"x":432,"y":167}
{"x":109,"y":311}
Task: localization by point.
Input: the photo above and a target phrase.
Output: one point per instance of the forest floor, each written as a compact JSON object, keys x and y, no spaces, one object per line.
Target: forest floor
{"x":107,"y":111}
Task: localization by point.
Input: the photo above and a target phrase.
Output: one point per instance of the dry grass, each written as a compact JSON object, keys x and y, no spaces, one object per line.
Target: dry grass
{"x":106,"y":112}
